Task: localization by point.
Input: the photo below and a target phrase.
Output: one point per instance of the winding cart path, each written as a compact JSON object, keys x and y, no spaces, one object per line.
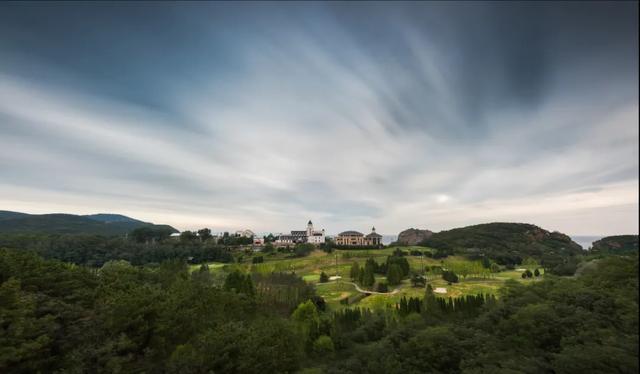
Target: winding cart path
{"x":366,"y":291}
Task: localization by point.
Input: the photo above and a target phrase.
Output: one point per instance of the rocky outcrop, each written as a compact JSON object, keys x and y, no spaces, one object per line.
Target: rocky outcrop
{"x":413,"y":236}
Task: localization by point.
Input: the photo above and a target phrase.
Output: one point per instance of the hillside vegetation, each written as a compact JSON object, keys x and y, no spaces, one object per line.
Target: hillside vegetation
{"x":619,"y":244}
{"x":97,"y":224}
{"x":165,"y":319}
{"x":506,"y":243}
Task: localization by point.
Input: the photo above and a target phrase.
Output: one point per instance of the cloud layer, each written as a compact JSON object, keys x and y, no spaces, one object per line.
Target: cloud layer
{"x":266,"y":115}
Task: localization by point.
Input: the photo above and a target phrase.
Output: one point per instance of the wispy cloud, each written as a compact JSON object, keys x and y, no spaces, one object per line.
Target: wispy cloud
{"x":420,"y":115}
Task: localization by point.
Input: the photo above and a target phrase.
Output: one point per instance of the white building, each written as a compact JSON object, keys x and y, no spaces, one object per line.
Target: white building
{"x":303,"y":236}
{"x":245,"y":233}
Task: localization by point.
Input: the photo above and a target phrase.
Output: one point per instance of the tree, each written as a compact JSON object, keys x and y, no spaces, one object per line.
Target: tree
{"x":368,"y":277}
{"x":354,"y":273}
{"x":418,"y":280}
{"x":495,"y":268}
{"x":268,"y":248}
{"x":148,"y":234}
{"x":25,"y":335}
{"x":382,"y":287}
{"x":394,"y":275}
{"x":528,"y":273}
{"x":323,"y":346}
{"x":449,"y":276}
{"x":303,"y":249}
{"x":204,"y":234}
{"x":188,"y":236}
{"x":324,"y":278}
{"x":307,"y":318}
{"x":536,"y":272}
{"x":529,"y":263}
{"x":269,"y":238}
{"x":239,"y":283}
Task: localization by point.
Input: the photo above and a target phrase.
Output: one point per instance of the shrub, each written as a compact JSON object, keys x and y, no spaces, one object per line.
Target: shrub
{"x":382,"y":287}
{"x":418,"y":280}
{"x":302,"y":250}
{"x":450,"y":276}
{"x":528,"y":273}
{"x":324,"y":278}
{"x":323,"y":345}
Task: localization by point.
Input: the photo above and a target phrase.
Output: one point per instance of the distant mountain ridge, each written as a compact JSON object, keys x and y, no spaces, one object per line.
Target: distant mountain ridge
{"x":106,"y":224}
{"x":109,"y":217}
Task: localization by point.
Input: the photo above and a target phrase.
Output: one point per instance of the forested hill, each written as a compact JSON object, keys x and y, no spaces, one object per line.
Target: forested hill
{"x":619,"y":244}
{"x":96,"y":224}
{"x":505,"y":242}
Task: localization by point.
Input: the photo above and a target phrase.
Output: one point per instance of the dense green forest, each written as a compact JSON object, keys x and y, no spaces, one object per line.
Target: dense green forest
{"x":57,"y":316}
{"x":139,"y":249}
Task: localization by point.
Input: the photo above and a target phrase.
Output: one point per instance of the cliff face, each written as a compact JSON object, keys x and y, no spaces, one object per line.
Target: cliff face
{"x":413,"y":236}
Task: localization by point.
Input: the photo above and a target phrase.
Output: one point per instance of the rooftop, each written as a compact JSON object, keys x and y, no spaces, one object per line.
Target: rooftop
{"x":350,"y":233}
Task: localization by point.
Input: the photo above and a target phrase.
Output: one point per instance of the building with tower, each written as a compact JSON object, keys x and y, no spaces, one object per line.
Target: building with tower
{"x":355,"y":239}
{"x":302,"y":236}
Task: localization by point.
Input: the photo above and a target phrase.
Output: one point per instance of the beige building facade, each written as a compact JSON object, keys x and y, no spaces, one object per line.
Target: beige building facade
{"x":355,"y":238}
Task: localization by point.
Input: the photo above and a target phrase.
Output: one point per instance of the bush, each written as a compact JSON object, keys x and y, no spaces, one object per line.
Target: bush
{"x":418,"y":280}
{"x":258,"y":260}
{"x":450,"y":276}
{"x":382,"y":287}
{"x":399,"y":252}
{"x":319,"y":302}
{"x":536,"y":272}
{"x":268,"y":248}
{"x":324,"y":278}
{"x":528,"y":273}
{"x":302,"y":250}
{"x":323,"y":346}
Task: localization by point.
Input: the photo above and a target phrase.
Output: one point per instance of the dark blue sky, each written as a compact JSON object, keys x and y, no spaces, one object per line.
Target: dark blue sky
{"x":268,"y":114}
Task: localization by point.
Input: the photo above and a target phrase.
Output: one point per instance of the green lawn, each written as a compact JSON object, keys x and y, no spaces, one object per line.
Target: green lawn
{"x":339,"y":262}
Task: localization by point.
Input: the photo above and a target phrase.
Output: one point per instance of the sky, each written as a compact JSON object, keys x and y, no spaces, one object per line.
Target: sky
{"x":265,"y":115}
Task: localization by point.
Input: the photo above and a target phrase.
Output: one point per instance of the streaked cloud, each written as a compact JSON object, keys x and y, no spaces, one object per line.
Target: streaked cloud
{"x":266,"y":115}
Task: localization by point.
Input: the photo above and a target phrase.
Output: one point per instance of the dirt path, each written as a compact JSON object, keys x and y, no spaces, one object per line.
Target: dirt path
{"x":365,"y":291}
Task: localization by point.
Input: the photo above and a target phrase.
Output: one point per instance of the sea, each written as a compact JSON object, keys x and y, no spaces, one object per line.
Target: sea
{"x":586,"y":240}
{"x":388,"y":239}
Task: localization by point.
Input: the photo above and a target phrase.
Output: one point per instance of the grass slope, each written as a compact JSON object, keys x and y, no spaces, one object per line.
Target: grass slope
{"x":339,"y":263}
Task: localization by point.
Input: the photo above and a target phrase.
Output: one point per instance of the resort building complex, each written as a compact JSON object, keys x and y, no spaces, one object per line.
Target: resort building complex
{"x":303,"y":236}
{"x":355,"y":238}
